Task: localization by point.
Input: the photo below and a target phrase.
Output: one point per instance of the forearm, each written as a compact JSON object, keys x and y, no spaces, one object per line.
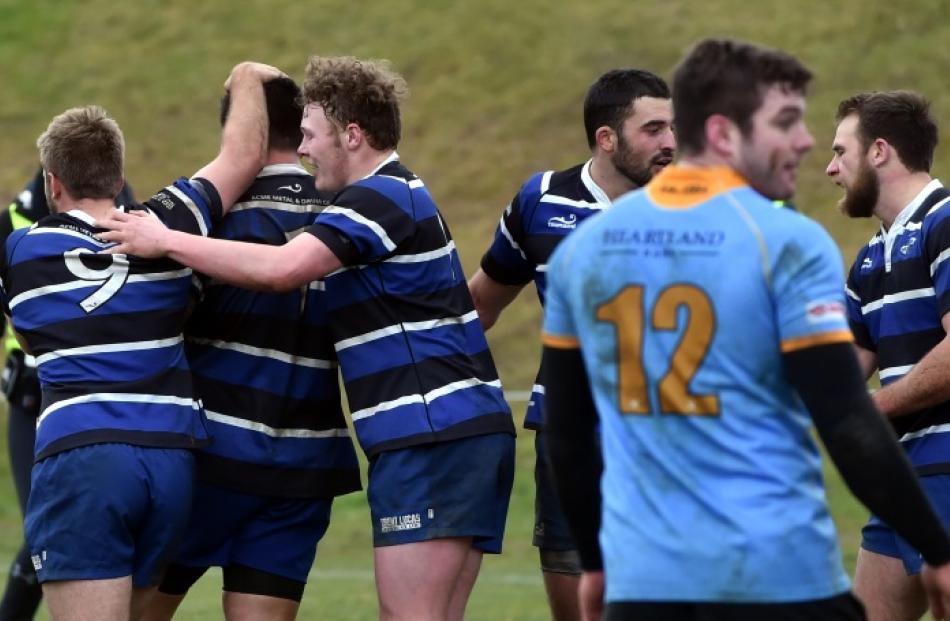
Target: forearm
{"x":490,"y":297}
{"x":244,"y":137}
{"x":925,"y":385}
{"x":243,"y":264}
{"x":573,"y":451}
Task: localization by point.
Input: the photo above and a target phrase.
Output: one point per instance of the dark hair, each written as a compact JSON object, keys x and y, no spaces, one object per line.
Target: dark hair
{"x":365,"y":92}
{"x":902,"y":118}
{"x":284,"y":111}
{"x":610,"y":99}
{"x":85,"y":148}
{"x":728,"y":77}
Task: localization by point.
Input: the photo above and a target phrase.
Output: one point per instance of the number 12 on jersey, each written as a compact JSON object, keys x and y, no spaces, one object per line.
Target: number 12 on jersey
{"x":626,"y":312}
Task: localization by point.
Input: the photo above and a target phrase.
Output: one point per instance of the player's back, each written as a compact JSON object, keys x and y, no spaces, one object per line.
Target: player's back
{"x":264,"y":363}
{"x":712,"y":485}
{"x":106,"y":329}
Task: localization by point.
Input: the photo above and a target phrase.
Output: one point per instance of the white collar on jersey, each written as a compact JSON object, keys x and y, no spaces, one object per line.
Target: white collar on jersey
{"x":393,"y":157}
{"x":272,"y":170}
{"x":908,"y":211}
{"x":599,"y":195}
{"x":79,"y":214}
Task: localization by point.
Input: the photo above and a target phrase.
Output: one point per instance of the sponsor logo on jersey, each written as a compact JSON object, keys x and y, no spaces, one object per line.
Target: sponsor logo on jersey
{"x":910,"y":243}
{"x":296,"y":188}
{"x":410,"y":521}
{"x":867,"y":263}
{"x":820,"y":312}
{"x":38,"y":560}
{"x":562,"y":222}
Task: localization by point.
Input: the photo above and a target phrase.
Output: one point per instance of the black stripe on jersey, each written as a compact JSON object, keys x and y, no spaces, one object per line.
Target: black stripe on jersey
{"x":375,"y":313}
{"x":504,"y":274}
{"x":276,"y":482}
{"x":150,"y":439}
{"x":397,"y":223}
{"x":431,"y":234}
{"x":910,"y":274}
{"x":906,"y":349}
{"x":915,"y":421}
{"x":481,"y":425}
{"x":106,"y":329}
{"x":419,"y":378}
{"x":168,"y":383}
{"x":274,"y":410}
{"x":262,"y":331}
{"x":281,"y":189}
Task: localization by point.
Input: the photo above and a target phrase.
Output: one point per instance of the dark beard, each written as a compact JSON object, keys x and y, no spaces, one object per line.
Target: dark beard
{"x":861,"y":199}
{"x":624,"y":159}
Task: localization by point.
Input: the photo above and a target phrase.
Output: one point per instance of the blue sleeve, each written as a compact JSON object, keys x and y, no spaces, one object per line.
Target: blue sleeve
{"x":808,"y":286}
{"x":937,"y":249}
{"x":506,"y":261}
{"x":188,"y":205}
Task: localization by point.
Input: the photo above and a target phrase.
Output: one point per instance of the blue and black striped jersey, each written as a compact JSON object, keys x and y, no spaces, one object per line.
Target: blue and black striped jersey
{"x":547,"y":208}
{"x":106,"y":330}
{"x":898,"y":292}
{"x":414,"y":358}
{"x":264,"y":364}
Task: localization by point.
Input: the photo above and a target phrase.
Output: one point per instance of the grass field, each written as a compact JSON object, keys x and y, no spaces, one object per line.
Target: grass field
{"x":496,"y":92}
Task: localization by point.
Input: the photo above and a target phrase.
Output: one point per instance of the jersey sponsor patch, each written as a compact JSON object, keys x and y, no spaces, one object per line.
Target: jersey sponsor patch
{"x":563,"y":222}
{"x":824,"y":311}
{"x":409,"y":521}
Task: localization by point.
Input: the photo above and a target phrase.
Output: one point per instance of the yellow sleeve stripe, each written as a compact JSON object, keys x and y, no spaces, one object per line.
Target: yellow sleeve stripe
{"x":825,"y":338}
{"x":560,"y":342}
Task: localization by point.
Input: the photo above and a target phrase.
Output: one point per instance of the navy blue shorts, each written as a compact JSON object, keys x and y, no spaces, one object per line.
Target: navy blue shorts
{"x":551,"y":531}
{"x":880,"y":538}
{"x":459,"y":488}
{"x":108,"y":511}
{"x":274,"y":535}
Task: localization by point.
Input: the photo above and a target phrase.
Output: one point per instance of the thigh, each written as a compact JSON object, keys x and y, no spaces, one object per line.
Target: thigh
{"x":457,"y":489}
{"x":882,"y":584}
{"x":88,"y":600}
{"x":417,"y":580}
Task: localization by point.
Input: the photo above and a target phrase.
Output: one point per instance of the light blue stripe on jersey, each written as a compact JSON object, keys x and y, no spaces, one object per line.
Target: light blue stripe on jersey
{"x":734,"y":500}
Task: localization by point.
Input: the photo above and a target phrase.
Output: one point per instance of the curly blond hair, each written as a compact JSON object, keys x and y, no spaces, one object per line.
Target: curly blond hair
{"x":85,"y":149}
{"x":365,"y":92}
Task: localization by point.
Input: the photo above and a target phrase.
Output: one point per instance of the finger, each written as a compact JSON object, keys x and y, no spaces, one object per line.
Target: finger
{"x":111,"y":235}
{"x":118,"y":249}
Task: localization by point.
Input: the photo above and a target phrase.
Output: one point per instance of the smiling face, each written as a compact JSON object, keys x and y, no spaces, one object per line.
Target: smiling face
{"x":850,"y":170}
{"x":323,"y":148}
{"x":769,"y":156}
{"x":645,"y":143}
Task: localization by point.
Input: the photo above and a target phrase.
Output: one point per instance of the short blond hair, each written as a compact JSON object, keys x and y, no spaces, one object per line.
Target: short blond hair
{"x":85,"y":149}
{"x":365,"y":92}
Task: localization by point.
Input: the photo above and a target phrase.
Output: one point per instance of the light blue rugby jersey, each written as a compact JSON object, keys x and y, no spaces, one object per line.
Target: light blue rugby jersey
{"x":712,"y":488}
{"x":106,"y":330}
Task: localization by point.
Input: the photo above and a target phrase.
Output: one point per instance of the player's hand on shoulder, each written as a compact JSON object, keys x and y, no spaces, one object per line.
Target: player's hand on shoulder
{"x":591,"y":595}
{"x":137,"y":232}
{"x":248,"y":68}
{"x":936,"y":582}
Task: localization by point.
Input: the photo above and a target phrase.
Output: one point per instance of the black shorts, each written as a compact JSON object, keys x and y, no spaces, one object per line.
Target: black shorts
{"x":844,"y":607}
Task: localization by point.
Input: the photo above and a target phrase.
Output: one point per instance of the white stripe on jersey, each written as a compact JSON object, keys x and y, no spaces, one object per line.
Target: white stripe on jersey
{"x":272,"y":170}
{"x":271,"y":354}
{"x":546,"y":181}
{"x":851,"y":294}
{"x":277,"y":206}
{"x":190,"y":204}
{"x":360,"y":219}
{"x":925,"y":432}
{"x":541,"y":267}
{"x":81,"y":284}
{"x":890,"y":372}
{"x":894,"y":298}
{"x":412,"y":183}
{"x":422,"y":257}
{"x":570,"y":202}
{"x":108,"y":348}
{"x":409,"y":326}
{"x":275,"y":432}
{"x":70,"y":233}
{"x":511,"y":240}
{"x":940,"y":259}
{"x":120,"y":397}
{"x":938,"y":206}
{"x":429,"y":397}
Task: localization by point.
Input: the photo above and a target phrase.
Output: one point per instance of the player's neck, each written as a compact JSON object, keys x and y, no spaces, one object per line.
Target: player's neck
{"x":282,"y":156}
{"x":608,"y":179}
{"x":98,"y":208}
{"x":895,"y":195}
{"x":365,"y":163}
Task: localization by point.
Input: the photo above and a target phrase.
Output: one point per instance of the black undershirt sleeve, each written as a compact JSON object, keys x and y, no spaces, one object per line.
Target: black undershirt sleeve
{"x":863,"y":447}
{"x":573,"y":451}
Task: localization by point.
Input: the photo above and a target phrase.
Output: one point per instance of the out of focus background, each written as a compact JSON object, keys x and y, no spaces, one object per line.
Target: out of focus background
{"x":496,"y":91}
